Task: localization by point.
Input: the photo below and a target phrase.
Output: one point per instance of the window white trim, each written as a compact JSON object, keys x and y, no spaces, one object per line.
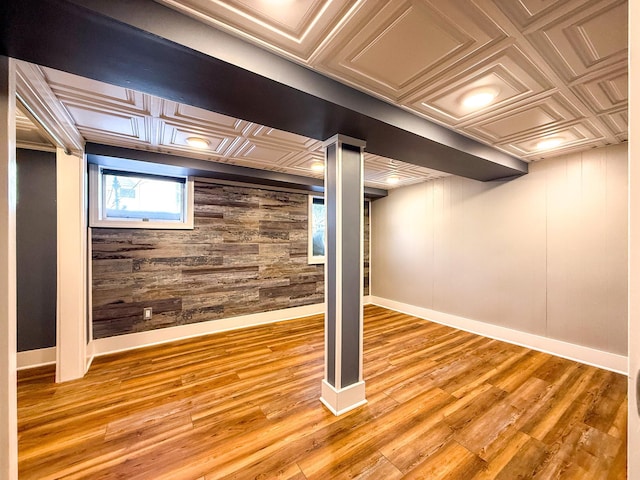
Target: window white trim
{"x":313,"y":259}
{"x":319,"y":259}
{"x":97,"y":205}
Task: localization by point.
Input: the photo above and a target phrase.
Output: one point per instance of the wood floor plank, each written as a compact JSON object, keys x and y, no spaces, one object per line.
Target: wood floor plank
{"x":524,"y":464}
{"x":450,"y":462}
{"x":498,"y":463}
{"x":442,"y":404}
{"x":416,"y":445}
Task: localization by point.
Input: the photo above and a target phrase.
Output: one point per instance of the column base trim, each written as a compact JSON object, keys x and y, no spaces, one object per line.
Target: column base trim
{"x":343,"y":400}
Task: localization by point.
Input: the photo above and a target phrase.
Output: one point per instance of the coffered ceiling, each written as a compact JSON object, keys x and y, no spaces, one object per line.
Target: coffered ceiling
{"x":30,"y":134}
{"x":557,"y":69}
{"x":553,"y":71}
{"x":80,"y":108}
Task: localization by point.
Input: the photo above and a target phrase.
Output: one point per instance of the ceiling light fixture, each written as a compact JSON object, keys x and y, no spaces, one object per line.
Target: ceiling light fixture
{"x":549,"y":143}
{"x":393,"y":179}
{"x":197,"y":142}
{"x":479,"y":97}
{"x":317,"y":166}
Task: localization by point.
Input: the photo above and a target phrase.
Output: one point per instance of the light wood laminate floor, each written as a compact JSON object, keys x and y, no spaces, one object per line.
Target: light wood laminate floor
{"x":442,"y":404}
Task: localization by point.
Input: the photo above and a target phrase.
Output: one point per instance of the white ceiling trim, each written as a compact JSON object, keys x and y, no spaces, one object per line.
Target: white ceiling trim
{"x":45,"y":109}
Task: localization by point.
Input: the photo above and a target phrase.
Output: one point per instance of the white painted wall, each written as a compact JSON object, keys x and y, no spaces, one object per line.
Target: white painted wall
{"x":71,"y":325}
{"x":544,"y":254}
{"x":633,"y":444}
{"x":8,"y":297}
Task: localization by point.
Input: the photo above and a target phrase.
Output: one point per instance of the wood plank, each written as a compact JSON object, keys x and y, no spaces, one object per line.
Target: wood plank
{"x":442,"y":404}
{"x":246,"y":254}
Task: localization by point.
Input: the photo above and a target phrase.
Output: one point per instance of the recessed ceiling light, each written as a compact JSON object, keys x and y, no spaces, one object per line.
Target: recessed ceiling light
{"x":393,"y":179}
{"x":548,"y":143}
{"x":479,"y":97}
{"x":317,"y":166}
{"x":197,"y":142}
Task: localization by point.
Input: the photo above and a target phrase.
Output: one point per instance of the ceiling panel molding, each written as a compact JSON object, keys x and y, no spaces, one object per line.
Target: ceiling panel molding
{"x":509,"y":71}
{"x":607,"y":93}
{"x":560,"y":67}
{"x":576,"y":136}
{"x":530,"y":15}
{"x":45,"y":109}
{"x":297,"y":142}
{"x":251,"y":153}
{"x":296,"y":30}
{"x":68,"y":87}
{"x":404,"y":45}
{"x":104,"y":112}
{"x":200,"y":118}
{"x":583,"y":43}
{"x":391,"y":48}
{"x":164,"y":53}
{"x":618,"y":123}
{"x":378,"y":170}
{"x":98,"y":121}
{"x":123,"y":117}
{"x":533,"y":118}
{"x":300,"y":163}
{"x":173,"y":135}
{"x":29,"y":135}
{"x":424,"y":55}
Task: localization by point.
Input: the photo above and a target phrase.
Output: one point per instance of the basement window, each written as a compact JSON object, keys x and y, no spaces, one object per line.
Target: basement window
{"x":122,"y":198}
{"x":317,"y":231}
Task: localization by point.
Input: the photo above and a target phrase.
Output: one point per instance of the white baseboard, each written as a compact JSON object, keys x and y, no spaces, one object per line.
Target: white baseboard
{"x":43,"y":356}
{"x":590,"y":356}
{"x":89,"y":356}
{"x":36,"y":358}
{"x":104,"y":346}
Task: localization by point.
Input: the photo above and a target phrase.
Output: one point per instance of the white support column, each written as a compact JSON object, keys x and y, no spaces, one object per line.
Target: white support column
{"x":72,"y":267}
{"x":633,"y":435}
{"x":343,"y":385}
{"x":8,"y":402}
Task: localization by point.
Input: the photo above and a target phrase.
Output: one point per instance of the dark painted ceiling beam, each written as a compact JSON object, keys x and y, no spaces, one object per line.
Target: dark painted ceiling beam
{"x":145,"y":46}
{"x":118,"y":157}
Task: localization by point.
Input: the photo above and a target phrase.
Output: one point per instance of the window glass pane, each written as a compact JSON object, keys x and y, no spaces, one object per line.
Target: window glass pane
{"x":142,"y":197}
{"x":317,"y":226}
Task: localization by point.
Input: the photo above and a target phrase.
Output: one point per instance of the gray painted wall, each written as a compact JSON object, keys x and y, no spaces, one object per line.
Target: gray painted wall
{"x":36,"y":249}
{"x":351,"y":265}
{"x":544,"y":254}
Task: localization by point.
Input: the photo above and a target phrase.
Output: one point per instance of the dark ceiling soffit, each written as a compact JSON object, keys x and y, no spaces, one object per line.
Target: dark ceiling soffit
{"x":150,"y":16}
{"x":172,"y":164}
{"x":72,"y":38}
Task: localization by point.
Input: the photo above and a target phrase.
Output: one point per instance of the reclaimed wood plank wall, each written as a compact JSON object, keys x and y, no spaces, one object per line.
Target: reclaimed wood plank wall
{"x":247,"y":254}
